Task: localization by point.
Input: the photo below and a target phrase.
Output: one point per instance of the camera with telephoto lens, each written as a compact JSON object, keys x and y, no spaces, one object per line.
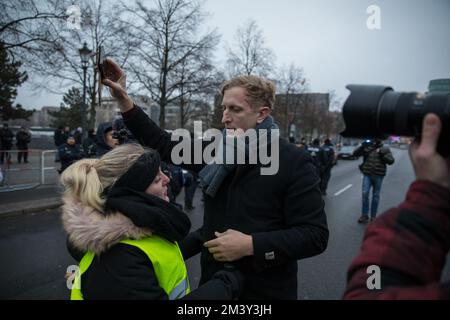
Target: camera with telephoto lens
{"x":375,"y":112}
{"x":376,"y":143}
{"x":121,"y":132}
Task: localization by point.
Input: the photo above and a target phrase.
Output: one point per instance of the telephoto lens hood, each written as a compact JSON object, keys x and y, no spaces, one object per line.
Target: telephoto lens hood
{"x":373,"y":111}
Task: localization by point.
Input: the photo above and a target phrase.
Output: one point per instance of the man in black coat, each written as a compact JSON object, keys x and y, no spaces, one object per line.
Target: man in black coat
{"x":262,"y":224}
{"x":6,"y":142}
{"x":60,"y":135}
{"x":314,"y":150}
{"x":69,"y":152}
{"x":23,"y":138}
{"x":90,"y":144}
{"x":327,"y":157}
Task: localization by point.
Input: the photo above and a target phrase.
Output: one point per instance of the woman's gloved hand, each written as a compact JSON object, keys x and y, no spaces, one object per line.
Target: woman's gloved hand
{"x":225,"y":284}
{"x":232,"y":277}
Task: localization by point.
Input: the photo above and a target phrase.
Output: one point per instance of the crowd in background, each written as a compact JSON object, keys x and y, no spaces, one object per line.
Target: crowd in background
{"x":71,"y":147}
{"x":22,"y":137}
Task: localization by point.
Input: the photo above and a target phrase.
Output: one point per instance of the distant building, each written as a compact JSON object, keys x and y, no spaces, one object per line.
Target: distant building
{"x":173,"y":118}
{"x":110,"y":108}
{"x":199,"y":111}
{"x":301,"y":114}
{"x":39,"y":118}
{"x":439,"y":85}
{"x":42,"y":118}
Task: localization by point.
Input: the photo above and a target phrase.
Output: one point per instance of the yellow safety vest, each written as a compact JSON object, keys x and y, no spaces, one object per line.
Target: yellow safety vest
{"x":167,"y":262}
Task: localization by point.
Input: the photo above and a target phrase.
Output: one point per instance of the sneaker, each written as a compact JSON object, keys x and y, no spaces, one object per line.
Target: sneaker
{"x":363,"y":219}
{"x":372,"y":218}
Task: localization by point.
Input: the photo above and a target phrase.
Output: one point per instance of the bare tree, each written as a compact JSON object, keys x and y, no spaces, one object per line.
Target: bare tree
{"x":56,"y":65}
{"x":291,"y":84}
{"x":28,"y":26}
{"x":335,"y":101}
{"x":249,"y":55}
{"x":312,"y":115}
{"x":104,"y":29}
{"x":332,"y":123}
{"x":197,"y":80}
{"x":173,"y":55}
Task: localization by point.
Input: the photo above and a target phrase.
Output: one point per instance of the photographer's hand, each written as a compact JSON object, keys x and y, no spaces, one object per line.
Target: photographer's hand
{"x":115,"y":79}
{"x":428,"y":164}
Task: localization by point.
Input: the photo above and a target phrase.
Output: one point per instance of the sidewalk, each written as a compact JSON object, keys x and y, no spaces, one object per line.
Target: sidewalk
{"x":27,"y":201}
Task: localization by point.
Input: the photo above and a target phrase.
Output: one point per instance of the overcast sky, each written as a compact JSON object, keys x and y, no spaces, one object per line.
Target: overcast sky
{"x":330,"y":40}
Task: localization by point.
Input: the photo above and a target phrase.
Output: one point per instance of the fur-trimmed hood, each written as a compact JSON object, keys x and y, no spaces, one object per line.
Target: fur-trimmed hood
{"x":90,"y":230}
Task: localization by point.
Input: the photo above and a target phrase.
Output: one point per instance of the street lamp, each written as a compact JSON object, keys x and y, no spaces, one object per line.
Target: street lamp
{"x":85,"y":54}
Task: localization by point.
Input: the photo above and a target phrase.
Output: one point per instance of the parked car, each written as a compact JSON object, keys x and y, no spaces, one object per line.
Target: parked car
{"x":346,"y":152}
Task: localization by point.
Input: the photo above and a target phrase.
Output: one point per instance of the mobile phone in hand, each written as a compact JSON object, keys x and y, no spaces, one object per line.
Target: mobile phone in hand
{"x":100,"y":59}
{"x":100,"y":66}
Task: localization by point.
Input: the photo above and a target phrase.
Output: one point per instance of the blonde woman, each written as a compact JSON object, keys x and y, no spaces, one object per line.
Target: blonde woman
{"x":116,"y":211}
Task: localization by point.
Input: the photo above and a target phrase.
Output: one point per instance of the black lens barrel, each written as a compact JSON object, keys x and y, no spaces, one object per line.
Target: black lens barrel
{"x":361,"y":111}
{"x":378,"y":111}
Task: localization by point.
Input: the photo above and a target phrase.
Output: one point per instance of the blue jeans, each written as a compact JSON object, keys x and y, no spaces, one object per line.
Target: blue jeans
{"x":375,"y":183}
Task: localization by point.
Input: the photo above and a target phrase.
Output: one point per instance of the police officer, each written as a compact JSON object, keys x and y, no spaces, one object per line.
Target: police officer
{"x":23,"y":138}
{"x":90,"y":144}
{"x":314,"y":150}
{"x":69,"y":152}
{"x":6,"y":142}
{"x":327,"y":156}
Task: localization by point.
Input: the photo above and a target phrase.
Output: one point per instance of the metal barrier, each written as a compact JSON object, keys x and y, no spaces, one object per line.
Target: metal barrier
{"x":37,"y":171}
{"x":43,"y":167}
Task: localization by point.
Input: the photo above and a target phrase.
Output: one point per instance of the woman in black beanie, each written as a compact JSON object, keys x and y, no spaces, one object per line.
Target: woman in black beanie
{"x":116,"y":212}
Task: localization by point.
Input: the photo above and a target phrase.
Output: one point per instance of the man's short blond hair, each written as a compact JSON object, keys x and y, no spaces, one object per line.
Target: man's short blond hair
{"x":260,"y":91}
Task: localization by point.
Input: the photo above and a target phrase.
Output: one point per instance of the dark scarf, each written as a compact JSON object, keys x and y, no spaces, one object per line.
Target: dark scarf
{"x":128,"y":197}
{"x":214,"y":174}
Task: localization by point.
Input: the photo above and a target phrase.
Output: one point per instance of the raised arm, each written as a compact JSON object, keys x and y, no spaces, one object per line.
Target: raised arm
{"x":115,"y":79}
{"x":146,"y":131}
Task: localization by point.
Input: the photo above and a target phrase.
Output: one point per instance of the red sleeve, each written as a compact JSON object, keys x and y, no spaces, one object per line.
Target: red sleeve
{"x":409,"y":244}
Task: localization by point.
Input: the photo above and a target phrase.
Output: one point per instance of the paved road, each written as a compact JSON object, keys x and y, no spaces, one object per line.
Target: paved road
{"x":34,"y":257}
{"x":26,"y":174}
{"x":324,"y":276}
{"x":32,"y":247}
{"x":40,"y":192}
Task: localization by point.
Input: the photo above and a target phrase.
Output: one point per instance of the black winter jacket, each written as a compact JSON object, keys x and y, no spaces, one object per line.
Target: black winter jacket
{"x":69,"y":154}
{"x":284,"y":213}
{"x":60,"y":137}
{"x":101,"y":146}
{"x":23,"y":138}
{"x":120,"y":271}
{"x":6,"y":138}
